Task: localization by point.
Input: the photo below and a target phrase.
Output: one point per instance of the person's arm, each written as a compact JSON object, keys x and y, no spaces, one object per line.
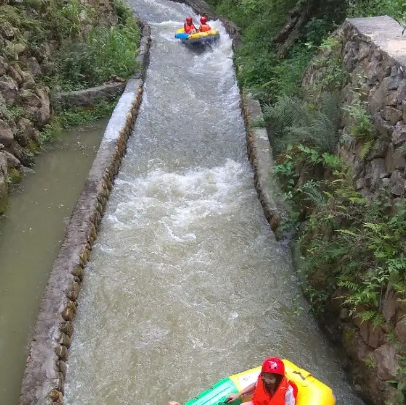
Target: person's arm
{"x":246,"y":391}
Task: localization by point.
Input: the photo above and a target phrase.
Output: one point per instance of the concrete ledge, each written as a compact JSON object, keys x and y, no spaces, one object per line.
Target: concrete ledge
{"x":260,"y":155}
{"x":88,"y":97}
{"x":44,"y":377}
{"x":385,"y":33}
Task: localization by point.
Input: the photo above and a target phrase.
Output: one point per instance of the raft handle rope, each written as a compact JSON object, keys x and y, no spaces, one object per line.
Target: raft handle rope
{"x":300,"y":374}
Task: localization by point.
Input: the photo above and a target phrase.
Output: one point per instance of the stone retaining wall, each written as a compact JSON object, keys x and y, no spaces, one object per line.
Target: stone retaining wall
{"x":375,"y":55}
{"x":373,"y":52}
{"x":88,"y":97}
{"x":43,"y":382}
{"x":25,"y":107}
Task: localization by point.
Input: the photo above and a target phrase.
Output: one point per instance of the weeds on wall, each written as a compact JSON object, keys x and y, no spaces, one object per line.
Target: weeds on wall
{"x":348,"y":242}
{"x":106,"y":53}
{"x":336,"y":214}
{"x":102,"y":54}
{"x":85,"y":52}
{"x":297,"y":120}
{"x":72,"y":118}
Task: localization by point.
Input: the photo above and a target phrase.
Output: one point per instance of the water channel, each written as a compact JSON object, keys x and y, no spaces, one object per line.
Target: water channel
{"x":30,"y":236}
{"x":187,"y":284}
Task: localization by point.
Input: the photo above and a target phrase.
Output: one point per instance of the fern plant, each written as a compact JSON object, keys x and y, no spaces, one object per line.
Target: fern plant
{"x":297,"y":121}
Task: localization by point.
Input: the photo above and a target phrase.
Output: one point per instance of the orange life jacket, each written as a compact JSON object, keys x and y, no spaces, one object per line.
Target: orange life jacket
{"x":188,"y":27}
{"x":204,"y":28}
{"x":263,"y":397}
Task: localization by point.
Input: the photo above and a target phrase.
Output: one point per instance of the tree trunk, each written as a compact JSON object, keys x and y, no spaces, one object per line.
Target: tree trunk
{"x":298,"y":18}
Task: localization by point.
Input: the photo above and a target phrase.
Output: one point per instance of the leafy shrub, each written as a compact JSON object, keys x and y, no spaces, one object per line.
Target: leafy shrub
{"x":107,"y":52}
{"x":362,"y":127}
{"x":369,"y":8}
{"x":73,"y":117}
{"x":348,"y":241}
{"x":294,"y":120}
{"x":79,"y":116}
{"x":286,"y":75}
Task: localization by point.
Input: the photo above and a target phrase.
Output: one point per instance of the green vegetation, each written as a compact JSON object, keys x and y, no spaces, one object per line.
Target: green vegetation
{"x":14,"y":176}
{"x":71,"y":118}
{"x":79,"y":116}
{"x":79,"y":48}
{"x":260,"y":66}
{"x":369,"y":8}
{"x":102,"y":54}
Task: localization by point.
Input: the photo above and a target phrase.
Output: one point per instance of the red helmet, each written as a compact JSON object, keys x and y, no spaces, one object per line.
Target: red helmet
{"x":273,"y":365}
{"x":189,"y":20}
{"x":203,"y":20}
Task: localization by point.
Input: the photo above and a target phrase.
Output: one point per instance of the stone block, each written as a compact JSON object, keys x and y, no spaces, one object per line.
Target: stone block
{"x":398,"y":159}
{"x":392,"y":115}
{"x":378,"y":149}
{"x":375,"y":171}
{"x":373,"y":71}
{"x":383,"y":127}
{"x":377,"y":97}
{"x":395,"y":78}
{"x":400,"y":330}
{"x":373,"y":336}
{"x":364,"y":50}
{"x":399,"y":134}
{"x":3,"y":65}
{"x":8,"y":89}
{"x":394,"y":158}
{"x":397,"y":183}
{"x":15,"y":75}
{"x":6,"y":134}
{"x":34,"y":67}
{"x":7,"y":30}
{"x":385,"y":359}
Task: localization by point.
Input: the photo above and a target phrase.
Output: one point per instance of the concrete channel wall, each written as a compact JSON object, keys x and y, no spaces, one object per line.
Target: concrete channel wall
{"x":43,"y":381}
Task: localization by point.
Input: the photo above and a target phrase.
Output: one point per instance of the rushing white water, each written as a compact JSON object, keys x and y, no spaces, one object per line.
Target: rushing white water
{"x":187,"y":284}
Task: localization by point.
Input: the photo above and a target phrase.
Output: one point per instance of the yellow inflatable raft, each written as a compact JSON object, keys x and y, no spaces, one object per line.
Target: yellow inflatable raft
{"x":310,"y":390}
{"x":207,"y":37}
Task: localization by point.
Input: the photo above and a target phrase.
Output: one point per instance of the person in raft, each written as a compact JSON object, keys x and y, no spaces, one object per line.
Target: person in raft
{"x":188,"y":26}
{"x":204,"y":27}
{"x":271,"y":388}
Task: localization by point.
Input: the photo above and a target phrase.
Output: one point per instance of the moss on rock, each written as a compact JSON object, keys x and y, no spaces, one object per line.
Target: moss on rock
{"x":3,"y":195}
{"x":14,"y":176}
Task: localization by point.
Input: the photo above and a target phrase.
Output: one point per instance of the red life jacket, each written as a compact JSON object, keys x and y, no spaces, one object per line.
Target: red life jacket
{"x":285,"y":394}
{"x":204,"y":27}
{"x":188,"y":27}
